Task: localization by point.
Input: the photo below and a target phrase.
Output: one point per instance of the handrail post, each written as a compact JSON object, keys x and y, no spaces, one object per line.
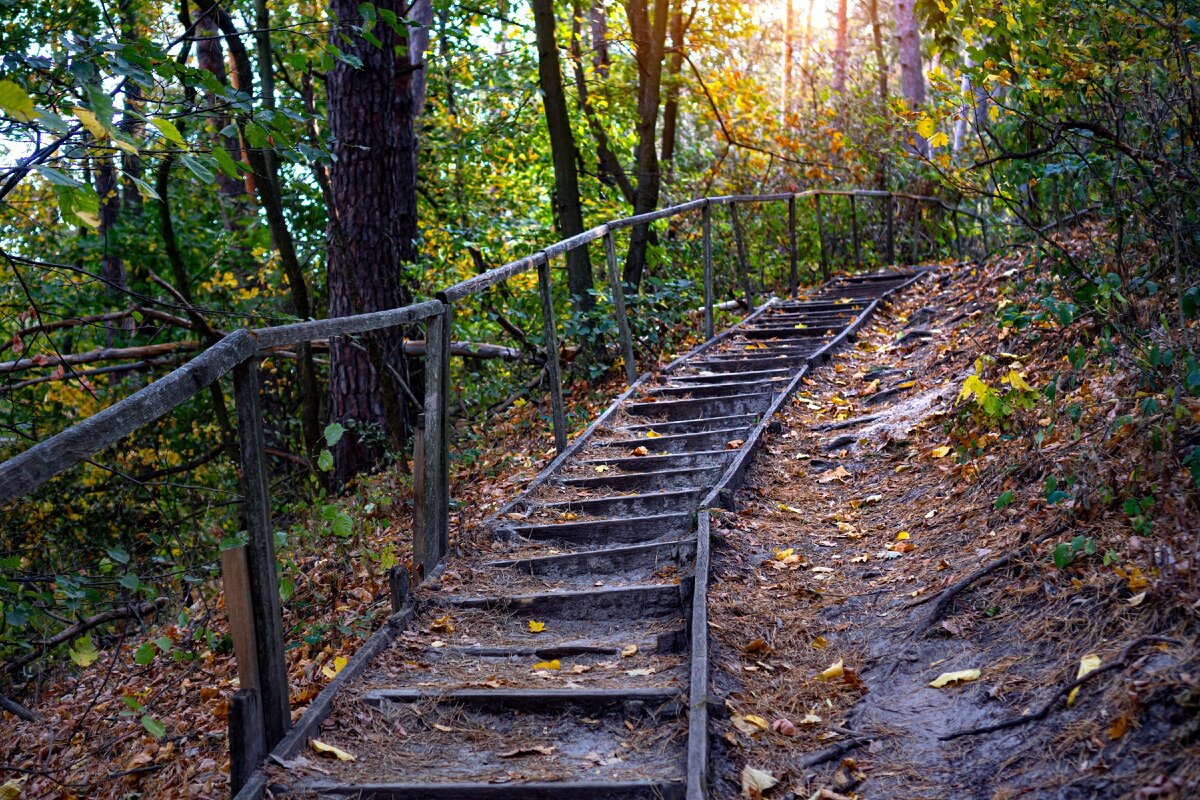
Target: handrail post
{"x":434,"y":533}
{"x":552,"y":371}
{"x":260,"y":555}
{"x":854,"y":231}
{"x":708,"y":273}
{"x":891,"y":230}
{"x":821,"y":238}
{"x":793,"y":277}
{"x":618,"y":295}
{"x":742,"y":259}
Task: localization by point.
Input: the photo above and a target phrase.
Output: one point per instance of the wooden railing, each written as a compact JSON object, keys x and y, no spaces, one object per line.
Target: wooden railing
{"x":260,"y":715}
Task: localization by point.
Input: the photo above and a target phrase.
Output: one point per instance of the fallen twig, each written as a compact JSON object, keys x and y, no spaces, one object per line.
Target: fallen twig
{"x":847,"y":423}
{"x":16,"y":709}
{"x":830,"y":753}
{"x":1045,"y":710}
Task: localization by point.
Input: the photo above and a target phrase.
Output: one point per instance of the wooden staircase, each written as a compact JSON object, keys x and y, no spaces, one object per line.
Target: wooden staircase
{"x":602,"y":553}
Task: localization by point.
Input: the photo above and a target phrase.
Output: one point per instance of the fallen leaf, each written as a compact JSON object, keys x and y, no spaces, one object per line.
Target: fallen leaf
{"x":443,"y":728}
{"x":947,"y":678}
{"x":1117,"y":729}
{"x":568,"y":515}
{"x":757,"y":721}
{"x":629,"y":650}
{"x":331,"y":670}
{"x":901,"y":536}
{"x":1089,"y":663}
{"x":832,"y":672}
{"x":755,"y":782}
{"x":536,"y":627}
{"x":639,"y":451}
{"x":11,"y":790}
{"x":521,"y":752}
{"x":810,"y":719}
{"x":1137,"y":599}
{"x":820,"y":643}
{"x":555,"y":664}
{"x":734,"y":444}
{"x":839,"y":474}
{"x":784,"y":727}
{"x":602,"y":468}
{"x":792,"y":509}
{"x":653,"y":435}
{"x":329,"y":751}
{"x":638,"y":673}
{"x":444,"y":624}
{"x":940,"y":452}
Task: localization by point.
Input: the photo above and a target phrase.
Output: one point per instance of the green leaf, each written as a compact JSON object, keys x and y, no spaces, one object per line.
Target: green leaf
{"x":118,"y":554}
{"x":15,"y":102}
{"x":153,"y":727}
{"x":343,"y":524}
{"x":286,"y":589}
{"x":84,"y":652}
{"x":145,"y":654}
{"x":198,"y":168}
{"x":333,"y":433}
{"x":1004,"y":500}
{"x":1062,"y":555}
{"x":164,"y":643}
{"x":169,"y":131}
{"x":225,"y":161}
{"x":325,"y":461}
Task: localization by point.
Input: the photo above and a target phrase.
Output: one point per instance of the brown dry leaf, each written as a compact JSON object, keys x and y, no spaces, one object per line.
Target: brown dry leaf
{"x":820,"y":643}
{"x":839,"y":474}
{"x":329,"y":751}
{"x":629,"y":650}
{"x":639,"y":451}
{"x":734,"y":444}
{"x":443,"y":624}
{"x":1117,"y":729}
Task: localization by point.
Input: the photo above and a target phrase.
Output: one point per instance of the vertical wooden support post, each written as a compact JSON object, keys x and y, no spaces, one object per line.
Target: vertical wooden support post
{"x":958,"y":247}
{"x":743,"y":260}
{"x":793,"y":255}
{"x":434,"y":532}
{"x":552,"y":371}
{"x":821,"y":239}
{"x":916,"y":232}
{"x":891,"y":229}
{"x":245,"y":737}
{"x":618,"y":296}
{"x":708,"y":272}
{"x":260,"y":561}
{"x":419,"y":545}
{"x":854,"y":231}
{"x":239,"y":610}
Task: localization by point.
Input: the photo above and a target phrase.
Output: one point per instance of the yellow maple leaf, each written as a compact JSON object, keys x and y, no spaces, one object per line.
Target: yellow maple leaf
{"x":554,"y":664}
{"x":653,"y":435}
{"x":536,"y":627}
{"x":939,"y":139}
{"x":926,"y":127}
{"x":332,"y":669}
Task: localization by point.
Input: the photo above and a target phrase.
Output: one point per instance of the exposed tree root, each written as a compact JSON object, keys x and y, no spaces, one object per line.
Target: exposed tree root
{"x":847,"y":423}
{"x":831,"y":753}
{"x":1049,"y":706}
{"x":16,"y":709}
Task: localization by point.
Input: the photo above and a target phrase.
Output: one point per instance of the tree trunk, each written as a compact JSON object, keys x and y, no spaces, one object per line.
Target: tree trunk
{"x":789,"y":35}
{"x":131,"y":121}
{"x":568,"y":213}
{"x":671,"y":107}
{"x":649,"y":39}
{"x":210,"y":57}
{"x":599,"y":23}
{"x":373,"y":222}
{"x":841,"y":50}
{"x":881,"y":63}
{"x":908,"y":48}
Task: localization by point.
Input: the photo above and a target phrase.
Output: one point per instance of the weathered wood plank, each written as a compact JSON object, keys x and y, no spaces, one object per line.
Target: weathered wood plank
{"x":32,"y":468}
{"x":239,"y":609}
{"x":618,"y":297}
{"x":708,"y":273}
{"x":340,"y":326}
{"x":245,"y":737}
{"x":554,"y":378}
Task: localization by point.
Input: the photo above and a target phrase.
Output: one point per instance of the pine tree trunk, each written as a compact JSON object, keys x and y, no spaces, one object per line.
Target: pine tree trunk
{"x":908,"y":47}
{"x":841,"y":50}
{"x":374,"y":229}
{"x":671,"y":107}
{"x":789,"y":35}
{"x":568,"y":213}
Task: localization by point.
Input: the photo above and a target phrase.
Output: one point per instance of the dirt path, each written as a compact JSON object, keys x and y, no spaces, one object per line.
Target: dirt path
{"x":855,"y":519}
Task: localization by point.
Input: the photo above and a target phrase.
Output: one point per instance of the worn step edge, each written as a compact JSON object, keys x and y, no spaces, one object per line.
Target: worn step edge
{"x":658,"y":599}
{"x":555,"y":790}
{"x":597,"y":561}
{"x":535,"y":699}
{"x":618,"y":530}
{"x":686,"y":478}
{"x":628,"y":504}
{"x":645,"y":465}
{"x":666,"y":643}
{"x":698,"y":425}
{"x":671,"y":439}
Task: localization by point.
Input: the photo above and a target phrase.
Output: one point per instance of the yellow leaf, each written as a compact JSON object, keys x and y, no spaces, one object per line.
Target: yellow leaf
{"x":653,"y":435}
{"x":11,"y":790}
{"x":331,"y":670}
{"x":792,"y":509}
{"x":947,"y":678}
{"x":602,"y":468}
{"x":1089,"y":663}
{"x":926,"y":127}
{"x":755,"y":782}
{"x":901,"y":536}
{"x":536,"y":627}
{"x":782,"y":555}
{"x":832,"y":672}
{"x":1014,"y":379}
{"x":757,"y":721}
{"x":820,"y":643}
{"x":328,"y":750}
{"x":91,"y":122}
{"x":973,"y":386}
{"x":939,"y":139}
{"x":555,"y":664}
{"x":940,"y":452}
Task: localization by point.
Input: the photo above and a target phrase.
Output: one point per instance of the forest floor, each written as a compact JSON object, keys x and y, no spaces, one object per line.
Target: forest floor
{"x":842,"y":590}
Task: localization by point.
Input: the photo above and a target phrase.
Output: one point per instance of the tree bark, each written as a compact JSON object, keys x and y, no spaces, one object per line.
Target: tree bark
{"x":568,"y":213}
{"x":908,"y":49}
{"x":649,"y":31}
{"x":881,"y":63}
{"x":611,"y":173}
{"x":373,"y":222}
{"x":841,"y":50}
{"x":789,"y":36}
